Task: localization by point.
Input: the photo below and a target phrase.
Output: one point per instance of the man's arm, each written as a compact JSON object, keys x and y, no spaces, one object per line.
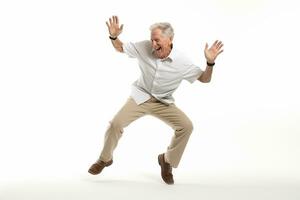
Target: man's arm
{"x":118,"y":44}
{"x":210,"y":55}
{"x":205,"y":77}
{"x":114,"y":31}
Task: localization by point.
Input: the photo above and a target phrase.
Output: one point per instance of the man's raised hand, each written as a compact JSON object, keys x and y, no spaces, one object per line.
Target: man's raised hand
{"x":113,"y":26}
{"x":212,"y":52}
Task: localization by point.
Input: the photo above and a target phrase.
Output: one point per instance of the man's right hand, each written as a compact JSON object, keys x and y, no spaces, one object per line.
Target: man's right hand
{"x":113,"y":26}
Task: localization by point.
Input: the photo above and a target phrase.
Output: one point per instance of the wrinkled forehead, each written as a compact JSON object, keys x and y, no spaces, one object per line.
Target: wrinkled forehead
{"x":156,"y":34}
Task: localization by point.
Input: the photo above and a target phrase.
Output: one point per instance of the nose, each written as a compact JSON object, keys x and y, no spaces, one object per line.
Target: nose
{"x":154,"y":43}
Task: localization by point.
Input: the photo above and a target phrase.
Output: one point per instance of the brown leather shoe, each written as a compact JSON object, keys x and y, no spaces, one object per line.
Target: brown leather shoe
{"x":166,"y":170}
{"x":98,"y":166}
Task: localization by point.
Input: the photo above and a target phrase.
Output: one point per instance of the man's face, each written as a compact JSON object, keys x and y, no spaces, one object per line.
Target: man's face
{"x":160,"y":44}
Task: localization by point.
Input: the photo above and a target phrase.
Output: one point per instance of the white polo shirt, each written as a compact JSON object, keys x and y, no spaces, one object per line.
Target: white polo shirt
{"x":159,"y":77}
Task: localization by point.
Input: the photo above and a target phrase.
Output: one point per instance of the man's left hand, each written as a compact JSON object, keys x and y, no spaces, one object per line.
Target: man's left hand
{"x":212,"y":52}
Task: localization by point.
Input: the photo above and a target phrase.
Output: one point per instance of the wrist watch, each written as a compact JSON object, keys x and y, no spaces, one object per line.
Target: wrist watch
{"x":210,"y":64}
{"x":112,"y":38}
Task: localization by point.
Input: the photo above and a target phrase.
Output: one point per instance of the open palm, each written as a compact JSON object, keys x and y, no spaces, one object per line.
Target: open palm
{"x":212,"y":52}
{"x":113,"y":26}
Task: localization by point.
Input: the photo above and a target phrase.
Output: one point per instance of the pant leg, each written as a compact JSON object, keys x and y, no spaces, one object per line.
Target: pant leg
{"x":182,"y":126}
{"x":127,"y":114}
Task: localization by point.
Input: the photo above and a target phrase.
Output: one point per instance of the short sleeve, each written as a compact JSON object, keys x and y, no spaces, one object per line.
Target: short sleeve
{"x":130,"y":49}
{"x":192,"y":73}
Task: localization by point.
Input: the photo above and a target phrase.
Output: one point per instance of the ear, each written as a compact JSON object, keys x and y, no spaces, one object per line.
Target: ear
{"x":170,"y":40}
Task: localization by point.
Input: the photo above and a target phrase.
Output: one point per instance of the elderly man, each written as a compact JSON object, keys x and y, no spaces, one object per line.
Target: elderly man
{"x":163,"y":68}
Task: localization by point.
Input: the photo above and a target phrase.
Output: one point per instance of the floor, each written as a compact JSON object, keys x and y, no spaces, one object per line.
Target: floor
{"x":146,"y":186}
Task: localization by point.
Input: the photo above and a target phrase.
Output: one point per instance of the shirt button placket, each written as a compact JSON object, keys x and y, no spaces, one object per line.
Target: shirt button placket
{"x":154,"y":77}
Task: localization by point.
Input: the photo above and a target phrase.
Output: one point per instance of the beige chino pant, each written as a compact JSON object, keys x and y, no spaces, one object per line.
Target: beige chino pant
{"x":170,"y":114}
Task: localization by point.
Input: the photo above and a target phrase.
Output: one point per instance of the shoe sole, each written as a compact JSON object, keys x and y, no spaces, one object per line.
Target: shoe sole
{"x":106,"y":165}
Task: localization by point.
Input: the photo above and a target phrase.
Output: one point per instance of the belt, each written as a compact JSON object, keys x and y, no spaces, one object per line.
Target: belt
{"x":153,"y":100}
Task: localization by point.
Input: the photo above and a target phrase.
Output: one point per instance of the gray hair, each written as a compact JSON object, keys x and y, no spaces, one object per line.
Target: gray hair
{"x":165,"y":27}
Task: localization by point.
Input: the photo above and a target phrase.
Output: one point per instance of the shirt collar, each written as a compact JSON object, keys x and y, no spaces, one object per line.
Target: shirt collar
{"x":172,"y":54}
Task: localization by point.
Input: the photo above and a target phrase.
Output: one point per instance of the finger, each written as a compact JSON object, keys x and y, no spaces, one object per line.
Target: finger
{"x":114,"y":19}
{"x":206,"y":46}
{"x":107,"y":24}
{"x":220,"y":52}
{"x":110,"y":21}
{"x":219,"y":47}
{"x":117,"y":20}
{"x":121,"y":27}
{"x":215,"y":43}
{"x":219,"y":43}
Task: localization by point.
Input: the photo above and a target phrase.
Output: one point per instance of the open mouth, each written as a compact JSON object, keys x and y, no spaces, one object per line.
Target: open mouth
{"x":159,"y":48}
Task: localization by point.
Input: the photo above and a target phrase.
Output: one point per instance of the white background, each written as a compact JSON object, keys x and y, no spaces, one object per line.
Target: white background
{"x":61,"y":82}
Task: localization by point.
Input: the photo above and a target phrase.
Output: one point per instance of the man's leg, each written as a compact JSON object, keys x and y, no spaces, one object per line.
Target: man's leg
{"x":127,"y":114}
{"x":183,"y":127}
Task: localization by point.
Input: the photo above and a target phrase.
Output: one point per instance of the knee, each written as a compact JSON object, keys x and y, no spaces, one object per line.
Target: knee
{"x":187,"y":127}
{"x":116,"y":124}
